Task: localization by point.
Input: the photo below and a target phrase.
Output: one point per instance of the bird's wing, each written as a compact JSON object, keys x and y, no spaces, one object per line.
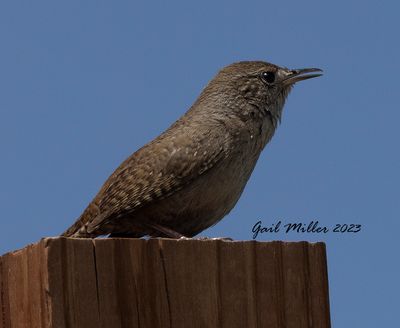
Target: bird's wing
{"x":159,"y":169}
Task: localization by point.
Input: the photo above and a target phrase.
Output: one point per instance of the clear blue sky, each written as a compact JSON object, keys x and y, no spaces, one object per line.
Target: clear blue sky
{"x":84,"y":84}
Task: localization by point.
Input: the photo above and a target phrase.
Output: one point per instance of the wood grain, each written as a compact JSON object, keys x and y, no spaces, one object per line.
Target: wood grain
{"x":65,"y":282}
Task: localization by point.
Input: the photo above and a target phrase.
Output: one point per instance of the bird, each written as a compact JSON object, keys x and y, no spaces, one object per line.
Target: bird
{"x":192,"y":175}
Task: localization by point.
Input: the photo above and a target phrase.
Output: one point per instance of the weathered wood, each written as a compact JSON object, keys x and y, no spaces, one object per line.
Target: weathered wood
{"x":61,"y":282}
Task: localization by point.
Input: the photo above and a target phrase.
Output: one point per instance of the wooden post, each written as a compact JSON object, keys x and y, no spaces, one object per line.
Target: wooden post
{"x":64,"y":282}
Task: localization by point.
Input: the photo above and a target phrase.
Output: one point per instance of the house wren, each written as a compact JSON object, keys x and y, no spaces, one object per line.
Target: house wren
{"x":192,"y":175}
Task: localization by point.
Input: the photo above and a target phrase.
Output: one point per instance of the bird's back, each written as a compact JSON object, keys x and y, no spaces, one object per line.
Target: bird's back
{"x":167,"y":179}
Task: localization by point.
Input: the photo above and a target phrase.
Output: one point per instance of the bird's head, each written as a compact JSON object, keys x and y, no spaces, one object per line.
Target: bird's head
{"x":259,"y":88}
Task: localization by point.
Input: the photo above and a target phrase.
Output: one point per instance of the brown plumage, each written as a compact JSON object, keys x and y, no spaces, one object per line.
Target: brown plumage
{"x":192,"y":175}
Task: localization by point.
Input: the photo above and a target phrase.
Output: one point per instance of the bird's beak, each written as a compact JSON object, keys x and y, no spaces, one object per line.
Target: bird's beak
{"x":296,"y":75}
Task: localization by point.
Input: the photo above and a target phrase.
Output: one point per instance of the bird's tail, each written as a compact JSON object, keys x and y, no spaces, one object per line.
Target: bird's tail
{"x":79,"y":228}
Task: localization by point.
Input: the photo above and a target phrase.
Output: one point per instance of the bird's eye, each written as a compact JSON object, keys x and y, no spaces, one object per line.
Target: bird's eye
{"x":268,"y":77}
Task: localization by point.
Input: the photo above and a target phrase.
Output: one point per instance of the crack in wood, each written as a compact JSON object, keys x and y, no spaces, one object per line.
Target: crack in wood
{"x":165,"y":281}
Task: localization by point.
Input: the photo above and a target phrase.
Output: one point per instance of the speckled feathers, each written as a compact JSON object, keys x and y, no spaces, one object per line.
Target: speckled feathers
{"x":192,"y":175}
